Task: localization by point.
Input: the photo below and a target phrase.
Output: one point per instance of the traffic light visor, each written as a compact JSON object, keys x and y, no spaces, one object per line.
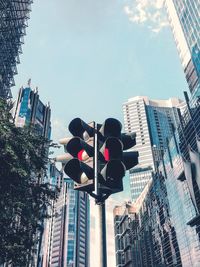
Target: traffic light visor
{"x":78,"y":171}
{"x":79,"y":128}
{"x":128,"y":140}
{"x":76,"y":147}
{"x":130,"y":159}
{"x":113,"y":171}
{"x":111,"y":127}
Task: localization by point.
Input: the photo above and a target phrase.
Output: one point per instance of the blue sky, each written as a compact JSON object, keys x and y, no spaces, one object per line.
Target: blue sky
{"x":88,"y":57}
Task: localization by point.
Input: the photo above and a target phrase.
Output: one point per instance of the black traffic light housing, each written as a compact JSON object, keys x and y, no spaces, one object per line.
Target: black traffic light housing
{"x":96,"y":158}
{"x":79,"y":164}
{"x":113,"y":160}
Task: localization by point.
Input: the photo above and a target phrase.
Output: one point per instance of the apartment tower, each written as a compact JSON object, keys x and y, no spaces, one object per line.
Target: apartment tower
{"x":154,"y":122}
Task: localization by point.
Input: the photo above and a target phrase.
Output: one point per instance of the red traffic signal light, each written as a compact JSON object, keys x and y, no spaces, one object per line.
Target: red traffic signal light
{"x":111,"y":149}
{"x":80,"y":149}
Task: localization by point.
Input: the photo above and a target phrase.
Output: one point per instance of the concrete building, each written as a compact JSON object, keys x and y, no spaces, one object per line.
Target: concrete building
{"x":153,"y":121}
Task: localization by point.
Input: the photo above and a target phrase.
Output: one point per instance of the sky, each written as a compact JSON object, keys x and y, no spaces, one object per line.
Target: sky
{"x":88,"y":57}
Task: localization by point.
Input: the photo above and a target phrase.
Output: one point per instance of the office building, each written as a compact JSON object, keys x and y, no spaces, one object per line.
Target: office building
{"x":55,"y":178}
{"x":69,"y":231}
{"x":125,"y":225}
{"x":153,"y":121}
{"x":162,"y":227}
{"x":189,"y":128}
{"x":189,"y":146}
{"x":13,"y":22}
{"x":184,"y":17}
{"x":29,"y":110}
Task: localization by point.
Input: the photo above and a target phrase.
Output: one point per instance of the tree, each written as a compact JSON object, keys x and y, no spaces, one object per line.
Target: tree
{"x":24,"y":196}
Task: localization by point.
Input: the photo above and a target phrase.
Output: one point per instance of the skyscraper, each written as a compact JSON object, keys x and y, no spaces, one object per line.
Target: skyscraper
{"x":153,"y":121}
{"x":69,"y":232}
{"x":165,"y":228}
{"x":13,"y":22}
{"x":55,"y":178}
{"x":184,"y":18}
{"x":29,"y":109}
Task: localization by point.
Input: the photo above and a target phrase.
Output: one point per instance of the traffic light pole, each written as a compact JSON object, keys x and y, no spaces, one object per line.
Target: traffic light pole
{"x":102,"y":234}
{"x":101,"y":207}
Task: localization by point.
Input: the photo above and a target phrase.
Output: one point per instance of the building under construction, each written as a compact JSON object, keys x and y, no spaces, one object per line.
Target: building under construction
{"x":14,"y":15}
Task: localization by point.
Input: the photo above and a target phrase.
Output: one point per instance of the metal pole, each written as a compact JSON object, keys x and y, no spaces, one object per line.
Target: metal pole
{"x":96,"y":167}
{"x":102,"y":234}
{"x":101,"y":208}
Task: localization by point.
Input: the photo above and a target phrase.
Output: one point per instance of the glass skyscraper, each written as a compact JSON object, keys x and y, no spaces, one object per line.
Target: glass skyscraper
{"x":13,"y":22}
{"x":29,"y":109}
{"x":55,"y":178}
{"x":184,"y":16}
{"x":162,"y":227}
{"x":69,"y":232}
{"x":153,"y":121}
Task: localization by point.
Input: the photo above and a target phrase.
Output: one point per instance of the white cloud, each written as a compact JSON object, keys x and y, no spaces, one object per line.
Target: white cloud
{"x":147,"y":12}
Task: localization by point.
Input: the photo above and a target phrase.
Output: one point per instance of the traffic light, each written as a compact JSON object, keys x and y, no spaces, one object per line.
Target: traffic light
{"x":78,"y":159}
{"x":113,"y":160}
{"x":96,"y":156}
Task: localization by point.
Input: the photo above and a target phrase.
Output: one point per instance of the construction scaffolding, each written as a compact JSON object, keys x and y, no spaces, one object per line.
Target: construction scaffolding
{"x":14,"y":15}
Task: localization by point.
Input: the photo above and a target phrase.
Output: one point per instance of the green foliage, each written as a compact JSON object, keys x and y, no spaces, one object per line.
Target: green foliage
{"x":24,"y":197}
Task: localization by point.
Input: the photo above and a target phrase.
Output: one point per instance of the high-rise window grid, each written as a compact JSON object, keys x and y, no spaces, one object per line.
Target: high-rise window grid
{"x":152,"y":121}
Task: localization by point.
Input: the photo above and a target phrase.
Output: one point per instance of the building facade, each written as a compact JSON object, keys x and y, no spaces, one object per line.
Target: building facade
{"x":55,"y":178}
{"x":13,"y":22}
{"x":29,"y":110}
{"x":189,"y":146}
{"x":153,"y":121}
{"x":167,"y":232}
{"x":69,"y":231}
{"x":125,"y":225}
{"x":163,"y":229}
{"x":184,"y":17}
